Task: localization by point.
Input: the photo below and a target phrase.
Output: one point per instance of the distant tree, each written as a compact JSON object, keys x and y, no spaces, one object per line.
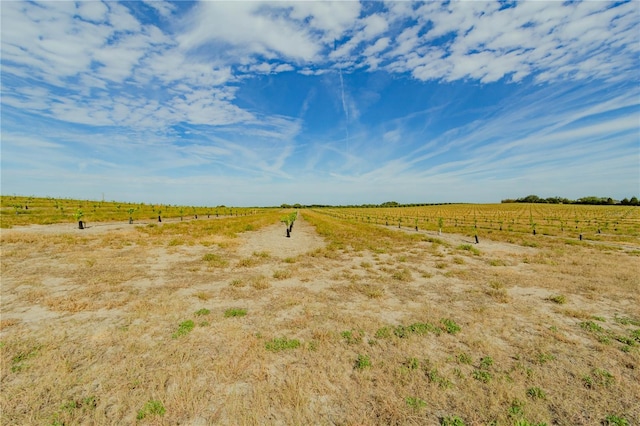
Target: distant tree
{"x":634,"y":201}
{"x":529,"y":199}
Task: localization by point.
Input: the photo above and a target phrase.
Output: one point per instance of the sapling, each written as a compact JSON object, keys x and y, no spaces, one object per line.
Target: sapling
{"x":440,"y":225}
{"x":131,"y":210}
{"x":79,"y":214}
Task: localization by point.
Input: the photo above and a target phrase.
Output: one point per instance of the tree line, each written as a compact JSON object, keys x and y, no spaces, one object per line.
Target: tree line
{"x":633,"y":201}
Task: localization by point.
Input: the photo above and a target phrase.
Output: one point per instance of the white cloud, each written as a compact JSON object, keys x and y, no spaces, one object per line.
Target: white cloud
{"x":164,"y":8}
{"x":247,"y":28}
{"x":92,"y":11}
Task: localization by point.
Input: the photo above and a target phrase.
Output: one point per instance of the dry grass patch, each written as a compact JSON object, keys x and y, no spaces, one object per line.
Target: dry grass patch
{"x":351,"y":345}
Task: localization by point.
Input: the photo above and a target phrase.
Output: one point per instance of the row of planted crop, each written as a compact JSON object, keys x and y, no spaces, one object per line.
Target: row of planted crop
{"x":17,"y":211}
{"x":551,"y":220}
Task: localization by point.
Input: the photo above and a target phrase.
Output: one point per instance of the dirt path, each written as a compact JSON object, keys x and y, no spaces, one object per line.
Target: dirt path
{"x":486,"y":245}
{"x":274,"y":240}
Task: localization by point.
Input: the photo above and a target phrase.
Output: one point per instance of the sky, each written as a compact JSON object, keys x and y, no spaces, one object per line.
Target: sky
{"x":263,"y":103}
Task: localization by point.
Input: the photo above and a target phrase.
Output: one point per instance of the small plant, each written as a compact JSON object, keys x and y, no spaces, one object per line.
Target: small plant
{"x":183,"y":329}
{"x":517,"y":408}
{"x":536,"y":393}
{"x":560,"y":299}
{"x":463,"y":358}
{"x":214,"y":260}
{"x":281,"y":344}
{"x":469,"y":248}
{"x":486,"y":362}
{"x":421,"y":328}
{"x":202,"y":311}
{"x":626,"y":320}
{"x":362,"y":362}
{"x":602,"y":377}
{"x":383,"y":333}
{"x":412,"y":363}
{"x":151,"y":408}
{"x":282,"y":274}
{"x":543,"y":358}
{"x":18,"y":361}
{"x":203,"y":295}
{"x":452,"y":421}
{"x":615,"y":421}
{"x":482,"y":375}
{"x":403,"y":275}
{"x":590,"y":326}
{"x":237,"y":283}
{"x":415,"y":403}
{"x":450,"y":326}
{"x":235,"y":312}
{"x":78,"y":215}
{"x":435,"y":377}
{"x":260,"y":282}
{"x":401,"y":331}
{"x":352,"y":338}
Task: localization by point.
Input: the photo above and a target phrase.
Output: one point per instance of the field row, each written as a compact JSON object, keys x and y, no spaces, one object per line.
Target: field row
{"x":602,"y":223}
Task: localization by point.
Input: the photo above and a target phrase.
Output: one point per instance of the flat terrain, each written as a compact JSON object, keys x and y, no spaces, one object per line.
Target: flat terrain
{"x":225,"y":320}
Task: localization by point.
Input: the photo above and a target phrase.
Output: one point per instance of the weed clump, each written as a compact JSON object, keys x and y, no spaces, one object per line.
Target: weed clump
{"x":415,"y":403}
{"x":183,"y":329}
{"x":151,"y":408}
{"x":560,"y":299}
{"x":452,"y":421}
{"x":235,"y":312}
{"x":450,"y":326}
{"x":281,"y":344}
{"x":362,"y":362}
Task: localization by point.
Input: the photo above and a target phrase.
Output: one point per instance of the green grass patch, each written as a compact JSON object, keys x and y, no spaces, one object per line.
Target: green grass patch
{"x":450,"y":325}
{"x":362,"y":362}
{"x":469,"y":248}
{"x":452,"y":421}
{"x":235,"y":312}
{"x":281,"y":344}
{"x":415,"y":403}
{"x":183,"y":329}
{"x":590,"y":326}
{"x":151,"y":408}
{"x":536,"y":393}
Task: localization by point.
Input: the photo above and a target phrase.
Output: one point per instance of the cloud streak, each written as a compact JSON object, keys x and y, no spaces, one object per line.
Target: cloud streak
{"x":452,"y":94}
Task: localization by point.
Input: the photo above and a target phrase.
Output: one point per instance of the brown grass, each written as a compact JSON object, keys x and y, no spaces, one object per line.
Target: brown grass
{"x":87,"y":323}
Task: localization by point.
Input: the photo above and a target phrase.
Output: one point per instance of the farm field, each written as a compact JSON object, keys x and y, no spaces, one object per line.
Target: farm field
{"x":356,"y":319}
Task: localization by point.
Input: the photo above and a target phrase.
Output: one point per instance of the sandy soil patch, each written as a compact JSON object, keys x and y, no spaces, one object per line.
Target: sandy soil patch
{"x":273,"y":239}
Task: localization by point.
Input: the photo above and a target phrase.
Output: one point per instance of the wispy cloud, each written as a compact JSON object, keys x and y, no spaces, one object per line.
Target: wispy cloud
{"x":453,"y":94}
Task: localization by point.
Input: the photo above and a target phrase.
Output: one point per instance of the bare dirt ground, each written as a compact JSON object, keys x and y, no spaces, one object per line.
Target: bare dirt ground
{"x":273,"y":239}
{"x":91,"y":320}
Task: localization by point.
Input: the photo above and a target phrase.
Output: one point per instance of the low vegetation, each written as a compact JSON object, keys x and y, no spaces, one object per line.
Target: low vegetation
{"x":188,"y":322}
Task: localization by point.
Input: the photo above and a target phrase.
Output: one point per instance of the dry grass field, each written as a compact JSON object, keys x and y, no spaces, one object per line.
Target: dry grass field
{"x":224,"y":320}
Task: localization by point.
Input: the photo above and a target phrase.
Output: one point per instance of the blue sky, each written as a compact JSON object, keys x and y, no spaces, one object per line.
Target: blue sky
{"x":263,"y":103}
